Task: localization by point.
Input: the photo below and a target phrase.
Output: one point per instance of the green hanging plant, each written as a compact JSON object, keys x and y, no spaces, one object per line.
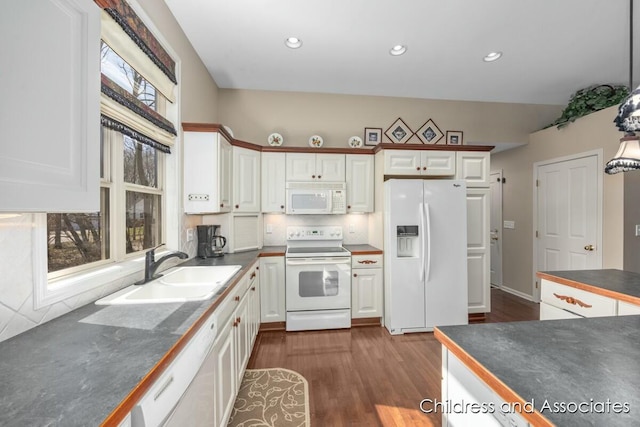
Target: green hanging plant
{"x":590,"y":99}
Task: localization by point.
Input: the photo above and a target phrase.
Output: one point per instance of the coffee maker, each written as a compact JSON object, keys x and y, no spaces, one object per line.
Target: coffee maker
{"x":210,"y":243}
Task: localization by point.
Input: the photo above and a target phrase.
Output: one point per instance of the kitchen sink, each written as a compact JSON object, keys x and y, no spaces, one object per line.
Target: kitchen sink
{"x":179,"y":284}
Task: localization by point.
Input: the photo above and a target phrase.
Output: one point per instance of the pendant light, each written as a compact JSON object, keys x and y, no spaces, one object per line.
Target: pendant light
{"x":628,"y":121}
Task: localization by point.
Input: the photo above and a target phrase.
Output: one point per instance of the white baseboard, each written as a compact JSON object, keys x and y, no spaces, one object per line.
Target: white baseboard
{"x":517,"y":293}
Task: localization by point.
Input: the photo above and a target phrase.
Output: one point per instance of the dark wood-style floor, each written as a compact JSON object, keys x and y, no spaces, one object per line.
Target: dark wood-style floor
{"x":366,"y":377}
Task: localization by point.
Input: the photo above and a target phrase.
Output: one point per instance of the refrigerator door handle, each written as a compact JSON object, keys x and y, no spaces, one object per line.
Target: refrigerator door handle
{"x":428,"y":238}
{"x":422,"y":254}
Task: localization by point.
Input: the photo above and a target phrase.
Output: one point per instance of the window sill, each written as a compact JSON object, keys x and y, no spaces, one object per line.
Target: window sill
{"x":50,"y":292}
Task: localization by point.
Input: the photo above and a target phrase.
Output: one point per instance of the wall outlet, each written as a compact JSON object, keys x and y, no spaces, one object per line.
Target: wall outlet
{"x":190,"y":234}
{"x":637,"y":229}
{"x":509,"y":224}
{"x":352,"y":228}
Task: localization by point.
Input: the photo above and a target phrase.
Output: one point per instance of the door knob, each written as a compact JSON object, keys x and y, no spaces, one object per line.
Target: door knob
{"x":589,"y":248}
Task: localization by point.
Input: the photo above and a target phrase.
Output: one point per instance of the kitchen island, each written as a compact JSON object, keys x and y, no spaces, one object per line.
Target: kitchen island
{"x":577,"y":371}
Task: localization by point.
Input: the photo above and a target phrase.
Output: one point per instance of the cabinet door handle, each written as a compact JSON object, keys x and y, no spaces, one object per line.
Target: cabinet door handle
{"x":572,"y":300}
{"x":237,"y":206}
{"x":367,"y":261}
{"x":237,"y":298}
{"x":253,"y":288}
{"x":355,"y":274}
{"x":164,"y":387}
{"x":238,"y":320}
{"x":313,"y":176}
{"x":348,"y":206}
{"x":281,"y":206}
{"x":424,"y":168}
{"x":418,"y":168}
{"x":222,"y":205}
{"x":319,"y":176}
{"x":252,"y":276}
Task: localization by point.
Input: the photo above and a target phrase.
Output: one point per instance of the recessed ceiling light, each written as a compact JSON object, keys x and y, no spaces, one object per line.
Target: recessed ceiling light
{"x":398,"y":50}
{"x":293,"y":42}
{"x":493,"y":56}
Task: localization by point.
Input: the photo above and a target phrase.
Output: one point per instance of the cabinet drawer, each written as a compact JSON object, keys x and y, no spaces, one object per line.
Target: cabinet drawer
{"x":549,"y":312}
{"x":581,"y":302}
{"x":626,"y":308}
{"x":366,"y":261}
{"x":231,"y":302}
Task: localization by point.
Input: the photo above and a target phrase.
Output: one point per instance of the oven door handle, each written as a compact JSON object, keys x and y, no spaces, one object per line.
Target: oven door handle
{"x":318,"y":261}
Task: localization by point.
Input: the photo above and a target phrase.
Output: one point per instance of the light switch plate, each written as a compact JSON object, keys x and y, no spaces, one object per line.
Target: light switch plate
{"x":509,"y":224}
{"x":189,"y":234}
{"x":269,"y":228}
{"x":637,"y":229}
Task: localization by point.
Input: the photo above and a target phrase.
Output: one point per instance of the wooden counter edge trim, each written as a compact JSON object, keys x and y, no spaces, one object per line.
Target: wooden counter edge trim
{"x":590,"y":288}
{"x":489,"y":379}
{"x":366,"y":252}
{"x":127,"y":404}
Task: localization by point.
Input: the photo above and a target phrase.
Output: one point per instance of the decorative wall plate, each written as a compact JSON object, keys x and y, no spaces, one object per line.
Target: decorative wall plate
{"x":429,"y":133}
{"x":399,"y":132}
{"x":355,"y":142}
{"x":316,"y":141}
{"x":275,"y":140}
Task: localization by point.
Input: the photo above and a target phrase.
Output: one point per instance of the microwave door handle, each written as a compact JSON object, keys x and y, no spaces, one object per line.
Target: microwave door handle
{"x":330,"y":201}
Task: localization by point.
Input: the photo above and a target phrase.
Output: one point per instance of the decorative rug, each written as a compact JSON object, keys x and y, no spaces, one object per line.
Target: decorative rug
{"x":271,"y":397}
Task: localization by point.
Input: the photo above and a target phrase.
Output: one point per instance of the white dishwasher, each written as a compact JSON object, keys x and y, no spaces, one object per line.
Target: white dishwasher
{"x":157,"y":406}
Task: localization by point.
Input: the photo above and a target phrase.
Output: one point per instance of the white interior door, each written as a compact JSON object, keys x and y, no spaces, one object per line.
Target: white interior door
{"x":569,"y":218}
{"x":496,"y":227}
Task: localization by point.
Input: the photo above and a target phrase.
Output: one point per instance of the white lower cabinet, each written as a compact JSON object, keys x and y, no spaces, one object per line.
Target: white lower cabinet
{"x":573,"y":302}
{"x":366,"y":286}
{"x":224,"y":377}
{"x":217,"y":372}
{"x":461,"y":386}
{"x":627,"y":309}
{"x":272,"y":290}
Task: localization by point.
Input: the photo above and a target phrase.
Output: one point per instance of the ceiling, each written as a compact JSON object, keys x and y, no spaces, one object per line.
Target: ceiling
{"x":550,"y":48}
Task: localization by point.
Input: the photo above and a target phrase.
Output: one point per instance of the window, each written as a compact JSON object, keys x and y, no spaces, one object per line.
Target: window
{"x":77,"y":252}
{"x":133,"y":188}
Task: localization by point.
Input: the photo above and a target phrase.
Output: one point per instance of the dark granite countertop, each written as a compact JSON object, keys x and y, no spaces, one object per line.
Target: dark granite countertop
{"x":576,"y":360}
{"x":363,"y":250}
{"x":617,"y":284}
{"x":76,"y":369}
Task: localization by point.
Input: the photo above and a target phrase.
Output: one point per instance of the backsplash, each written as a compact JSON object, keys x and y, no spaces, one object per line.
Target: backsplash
{"x":16,"y":281}
{"x":355,"y":227}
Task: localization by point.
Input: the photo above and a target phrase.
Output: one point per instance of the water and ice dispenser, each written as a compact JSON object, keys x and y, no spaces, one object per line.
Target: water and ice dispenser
{"x":408,"y":244}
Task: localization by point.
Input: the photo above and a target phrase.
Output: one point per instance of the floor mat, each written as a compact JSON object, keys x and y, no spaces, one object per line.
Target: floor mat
{"x":271,"y":397}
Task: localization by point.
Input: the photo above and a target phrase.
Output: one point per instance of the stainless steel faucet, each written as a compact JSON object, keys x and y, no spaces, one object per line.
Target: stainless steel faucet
{"x":151,"y":265}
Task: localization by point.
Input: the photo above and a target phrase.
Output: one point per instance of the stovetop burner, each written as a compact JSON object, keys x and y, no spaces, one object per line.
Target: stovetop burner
{"x":318,"y":241}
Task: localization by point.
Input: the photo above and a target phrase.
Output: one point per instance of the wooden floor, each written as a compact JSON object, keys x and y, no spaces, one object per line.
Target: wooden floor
{"x":366,"y":377}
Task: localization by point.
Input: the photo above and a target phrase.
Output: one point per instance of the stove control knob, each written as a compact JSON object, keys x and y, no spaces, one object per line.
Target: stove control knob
{"x":291,"y":233}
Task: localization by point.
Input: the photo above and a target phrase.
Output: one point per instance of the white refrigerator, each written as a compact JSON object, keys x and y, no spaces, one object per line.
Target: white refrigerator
{"x":425,"y":254}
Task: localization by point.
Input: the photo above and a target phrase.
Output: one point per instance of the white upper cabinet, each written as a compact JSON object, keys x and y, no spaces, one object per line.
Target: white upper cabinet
{"x":207,"y":172}
{"x":246,"y":180}
{"x":473,"y":167}
{"x":420,"y":162}
{"x":360,"y":182}
{"x":50,"y":110}
{"x":315,"y":167}
{"x":273,"y":182}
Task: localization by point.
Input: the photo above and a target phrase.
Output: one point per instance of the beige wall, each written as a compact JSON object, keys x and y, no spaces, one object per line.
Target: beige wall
{"x":592,"y":132}
{"x":253,"y":115}
{"x":199,"y":92}
{"x":631,"y":218}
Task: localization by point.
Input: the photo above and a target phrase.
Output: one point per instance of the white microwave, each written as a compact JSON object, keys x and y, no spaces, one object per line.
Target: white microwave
{"x":316,"y":198}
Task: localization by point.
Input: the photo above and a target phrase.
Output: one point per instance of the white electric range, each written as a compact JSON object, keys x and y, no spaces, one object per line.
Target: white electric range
{"x":318,"y":279}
